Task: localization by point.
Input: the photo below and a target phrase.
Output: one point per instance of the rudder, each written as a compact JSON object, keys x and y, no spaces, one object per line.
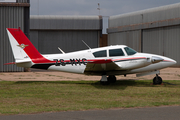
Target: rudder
{"x":22,"y":47}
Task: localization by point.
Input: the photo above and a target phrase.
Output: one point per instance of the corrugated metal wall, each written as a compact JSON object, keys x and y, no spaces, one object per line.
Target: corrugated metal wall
{"x":155,"y":30}
{"x":153,"y":38}
{"x":163,"y":41}
{"x":130,"y":38}
{"x":56,"y":22}
{"x":68,"y":41}
{"x":22,"y":1}
{"x":10,"y":17}
{"x":48,"y":33}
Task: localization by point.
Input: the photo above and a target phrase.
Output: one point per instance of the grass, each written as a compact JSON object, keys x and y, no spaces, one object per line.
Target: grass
{"x":34,"y":97}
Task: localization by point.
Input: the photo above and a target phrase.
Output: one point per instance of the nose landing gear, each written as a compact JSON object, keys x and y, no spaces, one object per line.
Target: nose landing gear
{"x":157,"y":80}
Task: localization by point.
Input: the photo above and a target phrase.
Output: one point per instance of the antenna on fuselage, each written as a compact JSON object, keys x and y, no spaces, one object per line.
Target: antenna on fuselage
{"x":86,"y":44}
{"x":61,"y":50}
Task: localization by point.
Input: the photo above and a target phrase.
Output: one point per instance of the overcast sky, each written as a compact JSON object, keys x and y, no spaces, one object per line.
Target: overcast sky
{"x":89,"y":7}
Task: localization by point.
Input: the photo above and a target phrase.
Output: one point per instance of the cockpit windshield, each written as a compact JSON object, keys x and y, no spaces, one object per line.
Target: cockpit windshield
{"x":130,"y":51}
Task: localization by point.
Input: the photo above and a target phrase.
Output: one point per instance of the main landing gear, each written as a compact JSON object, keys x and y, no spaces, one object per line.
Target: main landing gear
{"x":107,"y":80}
{"x":112,"y":79}
{"x":157,"y":80}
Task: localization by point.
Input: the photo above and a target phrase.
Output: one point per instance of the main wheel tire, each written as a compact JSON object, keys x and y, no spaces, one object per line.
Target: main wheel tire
{"x":111,"y":79}
{"x":157,"y":80}
{"x":105,"y":82}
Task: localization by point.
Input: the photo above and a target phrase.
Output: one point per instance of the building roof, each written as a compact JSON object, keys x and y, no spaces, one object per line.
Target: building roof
{"x":58,"y":22}
{"x":146,"y":16}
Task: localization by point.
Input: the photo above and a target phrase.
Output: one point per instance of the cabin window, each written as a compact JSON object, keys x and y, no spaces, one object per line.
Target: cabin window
{"x":116,"y":52}
{"x":130,"y":51}
{"x":102,"y":53}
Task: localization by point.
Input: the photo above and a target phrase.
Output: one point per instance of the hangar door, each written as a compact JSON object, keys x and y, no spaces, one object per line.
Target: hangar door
{"x":48,"y":41}
{"x":129,"y":38}
{"x":163,"y":41}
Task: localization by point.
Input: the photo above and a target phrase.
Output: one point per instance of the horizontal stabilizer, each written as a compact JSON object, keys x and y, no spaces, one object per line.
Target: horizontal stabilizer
{"x":11,"y":63}
{"x":21,"y":63}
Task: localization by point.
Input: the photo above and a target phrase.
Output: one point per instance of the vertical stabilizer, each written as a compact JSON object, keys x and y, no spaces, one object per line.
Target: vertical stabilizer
{"x":17,"y":49}
{"x":22,"y":47}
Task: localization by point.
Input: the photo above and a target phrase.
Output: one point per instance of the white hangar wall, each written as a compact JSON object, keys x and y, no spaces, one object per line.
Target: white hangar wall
{"x":155,"y":30}
{"x":67,"y":32}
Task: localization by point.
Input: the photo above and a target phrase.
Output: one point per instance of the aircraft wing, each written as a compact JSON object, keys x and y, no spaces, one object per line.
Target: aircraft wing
{"x":101,"y":65}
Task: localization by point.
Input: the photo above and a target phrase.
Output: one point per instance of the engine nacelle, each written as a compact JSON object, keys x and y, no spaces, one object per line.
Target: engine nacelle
{"x":134,"y":64}
{"x":155,"y":59}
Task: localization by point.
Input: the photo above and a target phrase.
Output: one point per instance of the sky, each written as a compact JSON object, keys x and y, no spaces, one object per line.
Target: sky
{"x":89,"y":7}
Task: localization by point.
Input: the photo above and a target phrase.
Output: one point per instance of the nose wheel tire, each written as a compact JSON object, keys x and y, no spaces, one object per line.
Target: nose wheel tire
{"x":157,"y":80}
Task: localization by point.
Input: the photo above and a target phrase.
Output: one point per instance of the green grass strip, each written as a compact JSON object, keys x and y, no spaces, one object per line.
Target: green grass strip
{"x":34,"y":97}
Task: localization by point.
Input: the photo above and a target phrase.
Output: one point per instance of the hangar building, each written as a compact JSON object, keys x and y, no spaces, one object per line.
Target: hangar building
{"x":13,"y":14}
{"x":155,"y":30}
{"x":49,"y":32}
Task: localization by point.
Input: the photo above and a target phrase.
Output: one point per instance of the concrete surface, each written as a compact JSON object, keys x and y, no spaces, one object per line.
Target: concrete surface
{"x":155,"y":113}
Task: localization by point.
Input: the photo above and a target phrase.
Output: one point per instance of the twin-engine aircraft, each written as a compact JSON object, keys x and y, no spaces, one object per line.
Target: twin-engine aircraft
{"x":105,"y":61}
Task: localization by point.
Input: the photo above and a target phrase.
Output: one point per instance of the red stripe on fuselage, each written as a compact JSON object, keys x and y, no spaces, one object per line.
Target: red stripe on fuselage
{"x":168,"y":61}
{"x":100,"y":61}
{"x":95,"y":61}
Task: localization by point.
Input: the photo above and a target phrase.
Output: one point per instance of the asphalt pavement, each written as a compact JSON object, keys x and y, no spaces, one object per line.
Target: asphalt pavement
{"x":154,"y":113}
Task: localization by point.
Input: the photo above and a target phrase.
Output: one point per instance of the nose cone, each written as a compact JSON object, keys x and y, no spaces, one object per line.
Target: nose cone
{"x":173,"y":61}
{"x":169,"y":61}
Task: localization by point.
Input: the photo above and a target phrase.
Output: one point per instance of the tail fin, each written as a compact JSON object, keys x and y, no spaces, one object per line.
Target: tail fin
{"x":22,"y":48}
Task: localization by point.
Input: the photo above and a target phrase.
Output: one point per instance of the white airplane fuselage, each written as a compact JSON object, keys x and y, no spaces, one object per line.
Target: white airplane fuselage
{"x":104,"y":61}
{"x":129,"y":64}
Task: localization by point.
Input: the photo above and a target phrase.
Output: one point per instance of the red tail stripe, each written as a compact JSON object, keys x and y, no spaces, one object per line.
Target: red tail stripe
{"x":30,"y":50}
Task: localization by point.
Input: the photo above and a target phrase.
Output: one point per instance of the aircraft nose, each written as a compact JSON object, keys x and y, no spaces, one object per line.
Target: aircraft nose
{"x":174,"y":61}
{"x":171,"y":61}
